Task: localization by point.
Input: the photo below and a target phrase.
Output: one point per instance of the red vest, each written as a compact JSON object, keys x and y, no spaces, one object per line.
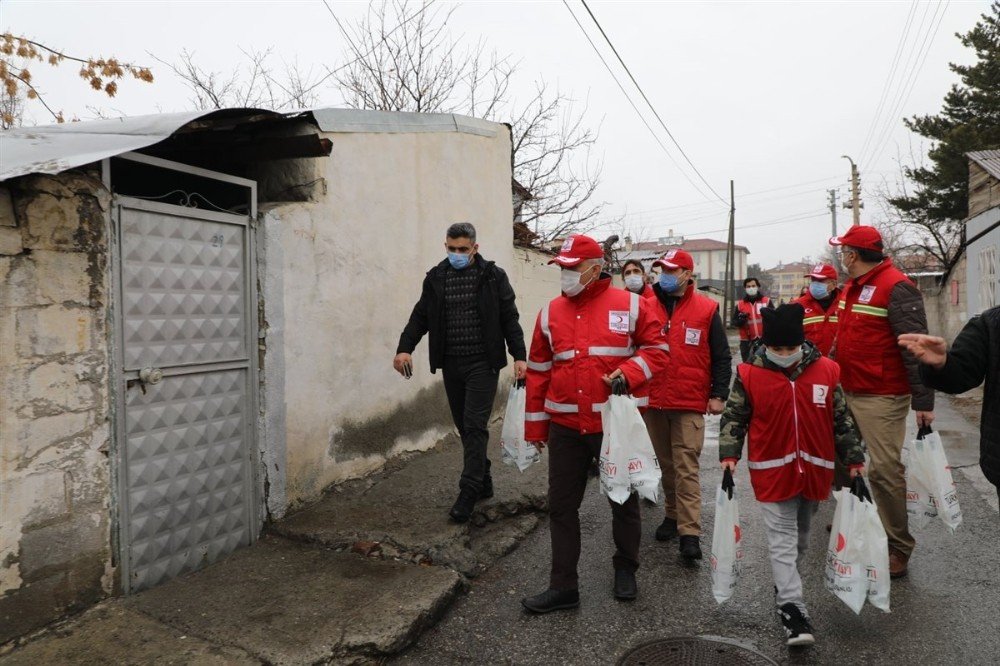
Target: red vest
{"x":755,"y":324}
{"x":687,"y":381}
{"x":790,"y":449}
{"x":820,"y":325}
{"x":867,"y":351}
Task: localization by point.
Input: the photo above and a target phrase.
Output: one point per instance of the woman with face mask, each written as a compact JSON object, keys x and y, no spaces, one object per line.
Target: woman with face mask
{"x":634,"y":276}
{"x":787,"y":403}
{"x":746,"y":315}
{"x":820,"y":305}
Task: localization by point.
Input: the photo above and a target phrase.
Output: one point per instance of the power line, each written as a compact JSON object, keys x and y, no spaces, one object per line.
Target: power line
{"x":911,"y":82}
{"x":650,"y":104}
{"x":632,"y":103}
{"x":889,"y":79}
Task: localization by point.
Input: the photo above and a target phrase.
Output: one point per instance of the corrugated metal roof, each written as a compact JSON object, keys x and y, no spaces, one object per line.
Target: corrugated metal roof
{"x":988,"y":159}
{"x":55,"y":148}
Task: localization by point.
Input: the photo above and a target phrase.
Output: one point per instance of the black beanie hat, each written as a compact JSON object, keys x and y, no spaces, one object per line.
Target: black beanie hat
{"x":783,"y":326}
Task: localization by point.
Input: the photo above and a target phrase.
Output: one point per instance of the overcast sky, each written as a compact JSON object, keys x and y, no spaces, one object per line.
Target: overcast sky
{"x":768,"y":94}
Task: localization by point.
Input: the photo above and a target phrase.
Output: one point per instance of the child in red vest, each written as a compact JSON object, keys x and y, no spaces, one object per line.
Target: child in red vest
{"x":787,"y":402}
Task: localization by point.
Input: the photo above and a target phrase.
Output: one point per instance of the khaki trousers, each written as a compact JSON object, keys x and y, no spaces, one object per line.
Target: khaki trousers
{"x":882,"y":422}
{"x":678,"y":438}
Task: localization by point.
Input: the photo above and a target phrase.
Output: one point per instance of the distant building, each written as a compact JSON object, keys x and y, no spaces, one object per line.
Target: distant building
{"x":709,"y":256}
{"x":787,"y":280}
{"x":982,"y":228}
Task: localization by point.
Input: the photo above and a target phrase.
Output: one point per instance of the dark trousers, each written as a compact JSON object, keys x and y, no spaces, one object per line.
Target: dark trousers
{"x":570,"y":457}
{"x":471,"y":385}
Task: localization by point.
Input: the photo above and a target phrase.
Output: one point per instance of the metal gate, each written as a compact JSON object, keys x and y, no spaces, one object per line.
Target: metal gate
{"x":186,"y":377}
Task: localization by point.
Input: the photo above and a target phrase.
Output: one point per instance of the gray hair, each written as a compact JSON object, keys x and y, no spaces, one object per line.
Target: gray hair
{"x":462,"y":230}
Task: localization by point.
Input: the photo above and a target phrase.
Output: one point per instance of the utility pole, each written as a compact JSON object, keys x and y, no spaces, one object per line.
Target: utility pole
{"x":856,"y":205}
{"x":730,"y":271}
{"x":833,"y":211}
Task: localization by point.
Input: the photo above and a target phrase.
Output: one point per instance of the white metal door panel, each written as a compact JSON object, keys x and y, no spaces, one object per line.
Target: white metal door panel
{"x":186,"y":440}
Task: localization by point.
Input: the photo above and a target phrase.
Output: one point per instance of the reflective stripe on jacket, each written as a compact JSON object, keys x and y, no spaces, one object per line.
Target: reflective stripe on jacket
{"x":820,"y":325}
{"x":790,"y":444}
{"x":579,"y":340}
{"x":686,"y":383}
{"x":867,"y":351}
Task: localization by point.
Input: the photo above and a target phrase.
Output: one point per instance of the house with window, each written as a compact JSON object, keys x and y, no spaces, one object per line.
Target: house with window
{"x":982,"y":231}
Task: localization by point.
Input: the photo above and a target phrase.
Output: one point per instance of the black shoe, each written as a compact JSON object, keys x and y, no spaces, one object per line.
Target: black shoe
{"x":487,"y":490}
{"x":797,"y":627}
{"x":625,"y":586}
{"x":690,"y":547}
{"x":667,"y":530}
{"x":552,"y":600}
{"x":461,"y":511}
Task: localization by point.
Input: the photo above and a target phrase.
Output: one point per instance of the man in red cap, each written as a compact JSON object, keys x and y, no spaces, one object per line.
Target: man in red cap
{"x":696,"y":381}
{"x":820,"y":306}
{"x":882,"y":382}
{"x":590,"y":340}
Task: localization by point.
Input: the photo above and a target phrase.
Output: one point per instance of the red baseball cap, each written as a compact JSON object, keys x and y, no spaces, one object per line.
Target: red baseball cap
{"x":823,"y":272}
{"x":861,"y":237}
{"x":577,"y":248}
{"x":676,"y":259}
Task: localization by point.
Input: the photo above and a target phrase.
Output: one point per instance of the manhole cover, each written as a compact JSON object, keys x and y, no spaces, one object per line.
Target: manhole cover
{"x":689,"y":651}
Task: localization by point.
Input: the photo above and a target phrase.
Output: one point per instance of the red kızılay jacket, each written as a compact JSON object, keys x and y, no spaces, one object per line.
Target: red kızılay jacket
{"x":754,"y":327}
{"x":790,"y":443}
{"x":820,"y":325}
{"x":579,"y":340}
{"x":687,"y":381}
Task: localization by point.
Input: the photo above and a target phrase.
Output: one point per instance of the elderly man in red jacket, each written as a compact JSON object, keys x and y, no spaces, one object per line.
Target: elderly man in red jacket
{"x":588,"y":339}
{"x":882,"y":382}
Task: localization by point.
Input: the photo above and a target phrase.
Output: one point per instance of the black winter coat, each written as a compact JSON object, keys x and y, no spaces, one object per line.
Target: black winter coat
{"x":497,"y":311}
{"x":974,"y":357}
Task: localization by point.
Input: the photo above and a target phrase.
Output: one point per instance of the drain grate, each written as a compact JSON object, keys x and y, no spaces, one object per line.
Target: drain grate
{"x":693,"y":651}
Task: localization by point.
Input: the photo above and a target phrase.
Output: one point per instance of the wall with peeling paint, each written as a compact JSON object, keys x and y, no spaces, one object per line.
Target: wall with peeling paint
{"x":54,"y":402}
{"x":339,"y":277}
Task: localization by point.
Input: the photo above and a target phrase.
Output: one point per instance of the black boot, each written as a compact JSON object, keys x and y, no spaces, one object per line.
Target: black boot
{"x":667,"y":530}
{"x":461,"y":511}
{"x":690,"y":548}
{"x":552,"y":600}
{"x":625,"y":585}
{"x":487,"y":490}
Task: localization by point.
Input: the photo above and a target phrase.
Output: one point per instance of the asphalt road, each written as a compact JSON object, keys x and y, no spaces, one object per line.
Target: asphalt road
{"x":946,"y":610}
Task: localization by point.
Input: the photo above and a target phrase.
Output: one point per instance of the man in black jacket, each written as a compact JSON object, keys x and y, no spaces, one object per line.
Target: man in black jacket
{"x":974,"y":357}
{"x":467,"y":307}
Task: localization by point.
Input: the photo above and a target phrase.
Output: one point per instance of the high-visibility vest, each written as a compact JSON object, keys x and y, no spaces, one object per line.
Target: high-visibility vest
{"x":755,"y":323}
{"x":790,"y":443}
{"x":820,"y":325}
{"x":867,"y":351}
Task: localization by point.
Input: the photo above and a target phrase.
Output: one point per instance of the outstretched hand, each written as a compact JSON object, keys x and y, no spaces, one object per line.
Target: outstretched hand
{"x":928,"y":349}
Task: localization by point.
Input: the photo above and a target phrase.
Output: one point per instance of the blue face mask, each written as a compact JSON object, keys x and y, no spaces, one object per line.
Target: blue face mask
{"x":458,"y":261}
{"x":669,"y":283}
{"x":818,"y":290}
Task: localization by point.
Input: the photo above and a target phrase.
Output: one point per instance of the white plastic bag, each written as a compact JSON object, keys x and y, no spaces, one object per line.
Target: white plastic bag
{"x":857,"y":558}
{"x":516,"y":451}
{"x":627,"y":462}
{"x":727,"y":545}
{"x":921,"y":507}
{"x":930,"y":488}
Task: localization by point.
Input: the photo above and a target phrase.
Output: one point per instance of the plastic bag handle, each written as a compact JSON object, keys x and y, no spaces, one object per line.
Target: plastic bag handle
{"x":619,"y":385}
{"x":860,"y":489}
{"x":924,"y":431}
{"x":728,"y":484}
{"x":520,"y":383}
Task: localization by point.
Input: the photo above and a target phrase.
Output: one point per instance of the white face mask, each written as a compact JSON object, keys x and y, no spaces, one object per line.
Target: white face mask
{"x":751,"y":291}
{"x":784,"y":362}
{"x":634,"y":283}
{"x":570,"y":281}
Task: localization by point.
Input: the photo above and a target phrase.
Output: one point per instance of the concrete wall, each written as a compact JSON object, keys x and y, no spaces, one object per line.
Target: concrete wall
{"x":339,"y":277}
{"x":946,"y":304}
{"x":54,"y":426}
{"x":535,"y":283}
